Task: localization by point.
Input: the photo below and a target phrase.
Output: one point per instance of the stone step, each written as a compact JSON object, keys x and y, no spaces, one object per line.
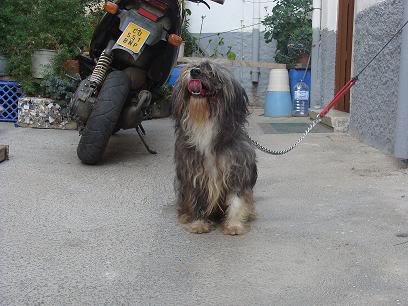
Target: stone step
{"x":338,"y":120}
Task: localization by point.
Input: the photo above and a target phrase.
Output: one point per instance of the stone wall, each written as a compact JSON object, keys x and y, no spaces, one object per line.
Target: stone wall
{"x":243,"y":41}
{"x":327,"y":66}
{"x":374,"y":98}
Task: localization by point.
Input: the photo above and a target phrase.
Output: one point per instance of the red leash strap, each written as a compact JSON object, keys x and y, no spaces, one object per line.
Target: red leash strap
{"x":342,"y":92}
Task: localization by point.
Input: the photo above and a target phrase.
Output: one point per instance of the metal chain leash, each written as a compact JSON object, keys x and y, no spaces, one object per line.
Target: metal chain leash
{"x":282,"y":152}
{"x":309,"y":129}
{"x":345,"y":89}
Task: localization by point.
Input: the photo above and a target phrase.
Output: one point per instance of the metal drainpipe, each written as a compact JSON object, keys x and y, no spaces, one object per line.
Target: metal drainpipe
{"x":401,"y":131}
{"x":256,"y":40}
{"x":315,"y":101}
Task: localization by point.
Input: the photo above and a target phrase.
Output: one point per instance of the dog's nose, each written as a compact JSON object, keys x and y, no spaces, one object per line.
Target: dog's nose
{"x":195,"y":72}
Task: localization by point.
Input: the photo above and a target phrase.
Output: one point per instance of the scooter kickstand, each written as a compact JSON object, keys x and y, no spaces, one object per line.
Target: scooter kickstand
{"x":142,"y":129}
{"x":144,"y":142}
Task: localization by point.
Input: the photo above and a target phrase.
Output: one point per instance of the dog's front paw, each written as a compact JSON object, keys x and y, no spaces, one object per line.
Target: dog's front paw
{"x":184,"y":218}
{"x":200,"y":227}
{"x":234,"y":229}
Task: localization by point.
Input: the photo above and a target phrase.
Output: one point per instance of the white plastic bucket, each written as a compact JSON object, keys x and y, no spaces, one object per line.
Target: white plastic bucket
{"x":181,"y":50}
{"x":278,"y":80}
{"x":41,"y":62}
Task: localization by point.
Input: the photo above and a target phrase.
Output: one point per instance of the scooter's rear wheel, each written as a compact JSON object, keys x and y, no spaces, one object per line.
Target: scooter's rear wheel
{"x":104,"y":117}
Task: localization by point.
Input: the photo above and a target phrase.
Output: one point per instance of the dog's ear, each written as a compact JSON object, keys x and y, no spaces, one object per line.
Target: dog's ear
{"x":244,"y":98}
{"x":241,"y":103}
{"x":234,"y":111}
{"x":177,"y":101}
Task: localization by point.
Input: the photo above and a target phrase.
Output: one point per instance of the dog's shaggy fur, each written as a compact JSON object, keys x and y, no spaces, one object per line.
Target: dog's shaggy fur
{"x":215,"y":162}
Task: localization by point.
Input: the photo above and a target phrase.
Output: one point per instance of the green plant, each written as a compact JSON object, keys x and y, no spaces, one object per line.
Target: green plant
{"x":231,"y":55}
{"x":58,"y":89}
{"x":62,"y":25}
{"x":160,"y":102}
{"x":215,"y":49}
{"x":290,"y":25}
{"x":189,"y":40}
{"x":16,"y":28}
{"x":162,"y":95}
{"x":62,"y":55}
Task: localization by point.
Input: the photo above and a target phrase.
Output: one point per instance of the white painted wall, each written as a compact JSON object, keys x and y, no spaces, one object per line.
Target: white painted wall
{"x":225,"y":17}
{"x":329,"y":14}
{"x":330,"y":11}
{"x":228,"y":16}
{"x":364,"y":4}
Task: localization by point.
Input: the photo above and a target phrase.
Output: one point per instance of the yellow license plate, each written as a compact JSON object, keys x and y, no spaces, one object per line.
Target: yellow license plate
{"x":133,"y":38}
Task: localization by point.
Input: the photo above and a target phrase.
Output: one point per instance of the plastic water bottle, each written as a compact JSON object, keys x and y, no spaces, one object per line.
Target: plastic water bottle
{"x":301,"y":96}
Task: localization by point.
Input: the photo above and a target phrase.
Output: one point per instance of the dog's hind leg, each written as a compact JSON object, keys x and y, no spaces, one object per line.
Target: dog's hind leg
{"x":240,"y":210}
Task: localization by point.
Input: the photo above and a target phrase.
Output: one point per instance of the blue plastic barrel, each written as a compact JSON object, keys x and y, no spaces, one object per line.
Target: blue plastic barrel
{"x":295,"y":75}
{"x":278,"y":102}
{"x":174,"y":75}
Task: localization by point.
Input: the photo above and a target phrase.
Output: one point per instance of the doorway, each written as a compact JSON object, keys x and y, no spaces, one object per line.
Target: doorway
{"x":344,"y":52}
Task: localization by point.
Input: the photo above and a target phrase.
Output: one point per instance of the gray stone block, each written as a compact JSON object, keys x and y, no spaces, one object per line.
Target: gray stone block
{"x":43,"y":113}
{"x":4,"y":153}
{"x":374,"y":98}
{"x":338,"y":120}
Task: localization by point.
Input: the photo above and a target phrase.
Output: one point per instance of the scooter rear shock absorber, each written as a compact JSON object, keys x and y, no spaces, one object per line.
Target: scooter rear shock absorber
{"x":101,"y":68}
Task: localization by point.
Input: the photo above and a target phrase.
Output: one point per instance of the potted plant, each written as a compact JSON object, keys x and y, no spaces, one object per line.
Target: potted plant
{"x":65,"y":26}
{"x":43,"y":57}
{"x":54,"y":33}
{"x":300,"y":44}
{"x":290,"y":26}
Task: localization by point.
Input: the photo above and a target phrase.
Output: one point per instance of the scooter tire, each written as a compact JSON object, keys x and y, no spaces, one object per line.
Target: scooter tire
{"x":104,"y":117}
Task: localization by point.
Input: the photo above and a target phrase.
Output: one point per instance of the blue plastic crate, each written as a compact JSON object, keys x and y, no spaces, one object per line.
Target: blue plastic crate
{"x":10,"y":92}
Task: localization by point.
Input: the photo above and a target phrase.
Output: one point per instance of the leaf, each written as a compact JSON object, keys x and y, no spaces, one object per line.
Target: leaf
{"x":231,"y":56}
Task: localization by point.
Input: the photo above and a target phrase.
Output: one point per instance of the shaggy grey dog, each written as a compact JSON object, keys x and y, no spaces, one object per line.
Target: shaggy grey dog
{"x":215,"y":162}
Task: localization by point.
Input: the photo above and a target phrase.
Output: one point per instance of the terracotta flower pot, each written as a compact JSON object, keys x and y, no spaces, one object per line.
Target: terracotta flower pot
{"x":303,"y":59}
{"x":71,"y":66}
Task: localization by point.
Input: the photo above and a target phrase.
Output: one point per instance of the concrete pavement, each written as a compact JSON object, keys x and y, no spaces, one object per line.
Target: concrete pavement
{"x":330,"y":217}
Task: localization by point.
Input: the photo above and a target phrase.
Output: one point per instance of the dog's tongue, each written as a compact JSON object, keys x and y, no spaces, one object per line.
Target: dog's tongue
{"x":195,"y":87}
